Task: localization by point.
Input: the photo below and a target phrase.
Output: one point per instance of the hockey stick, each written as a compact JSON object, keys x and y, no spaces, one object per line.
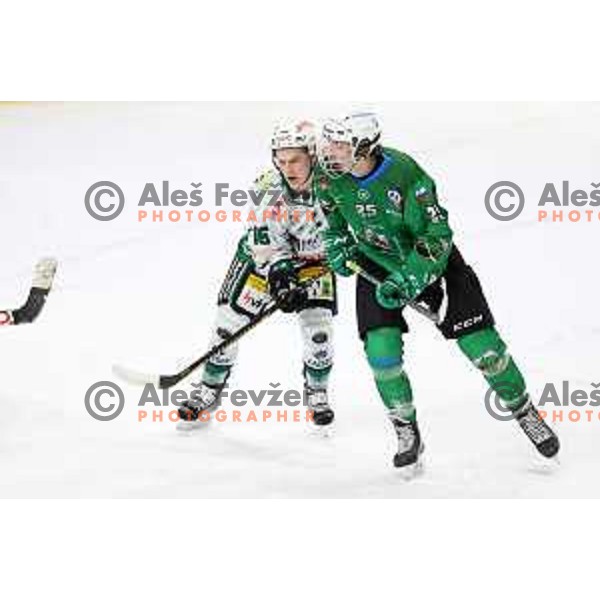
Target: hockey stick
{"x":167,"y":381}
{"x":361,"y":272}
{"x":43,"y":277}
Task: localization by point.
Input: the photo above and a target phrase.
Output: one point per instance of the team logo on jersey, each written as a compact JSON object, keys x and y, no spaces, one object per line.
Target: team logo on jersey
{"x":395,"y":197}
{"x":363,"y":195}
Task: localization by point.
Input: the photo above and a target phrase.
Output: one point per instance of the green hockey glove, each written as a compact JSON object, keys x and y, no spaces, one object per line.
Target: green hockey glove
{"x":340,"y":250}
{"x":399,"y":289}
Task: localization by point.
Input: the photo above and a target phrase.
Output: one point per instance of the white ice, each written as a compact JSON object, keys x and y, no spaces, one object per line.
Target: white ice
{"x":143,"y":295}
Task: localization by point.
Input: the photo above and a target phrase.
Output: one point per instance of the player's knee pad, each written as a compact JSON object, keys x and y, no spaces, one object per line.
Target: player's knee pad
{"x":487,"y":351}
{"x":384,"y":350}
{"x":227,"y":323}
{"x":317,"y":335}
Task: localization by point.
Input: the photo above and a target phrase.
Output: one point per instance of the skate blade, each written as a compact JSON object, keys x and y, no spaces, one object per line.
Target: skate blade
{"x":321,"y":431}
{"x":544,"y":466}
{"x":411,"y":472}
{"x":187,"y":427}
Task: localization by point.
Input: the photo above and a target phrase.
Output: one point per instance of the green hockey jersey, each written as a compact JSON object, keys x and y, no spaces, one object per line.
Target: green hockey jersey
{"x":393,"y":214}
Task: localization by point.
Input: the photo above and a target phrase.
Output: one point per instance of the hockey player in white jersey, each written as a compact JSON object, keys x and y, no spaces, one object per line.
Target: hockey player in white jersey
{"x":273,"y":258}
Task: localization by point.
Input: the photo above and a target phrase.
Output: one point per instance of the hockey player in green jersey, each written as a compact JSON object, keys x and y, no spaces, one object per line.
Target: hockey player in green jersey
{"x":273,"y":259}
{"x":384,"y":219}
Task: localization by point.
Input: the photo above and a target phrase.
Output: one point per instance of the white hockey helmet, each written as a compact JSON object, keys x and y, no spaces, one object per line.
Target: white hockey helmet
{"x":361,"y":130}
{"x":294,"y":134}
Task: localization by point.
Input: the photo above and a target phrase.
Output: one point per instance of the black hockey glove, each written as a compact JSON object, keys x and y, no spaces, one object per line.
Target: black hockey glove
{"x":285,"y":287}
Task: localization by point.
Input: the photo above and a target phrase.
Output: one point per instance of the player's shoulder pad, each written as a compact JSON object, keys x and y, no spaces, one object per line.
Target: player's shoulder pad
{"x":401,"y":158}
{"x":422,"y":184}
{"x":268,"y":179}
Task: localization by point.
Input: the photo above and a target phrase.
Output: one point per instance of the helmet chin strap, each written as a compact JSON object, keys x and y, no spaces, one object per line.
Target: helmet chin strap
{"x":373,"y":153}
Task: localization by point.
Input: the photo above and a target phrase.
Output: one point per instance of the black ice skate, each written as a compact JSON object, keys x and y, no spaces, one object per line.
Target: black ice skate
{"x":537,"y":430}
{"x":318,"y":402}
{"x":193,"y":413}
{"x":410,"y":446}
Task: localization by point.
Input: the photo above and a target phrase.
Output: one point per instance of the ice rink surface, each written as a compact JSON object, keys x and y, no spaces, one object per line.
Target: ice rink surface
{"x":143,"y":294}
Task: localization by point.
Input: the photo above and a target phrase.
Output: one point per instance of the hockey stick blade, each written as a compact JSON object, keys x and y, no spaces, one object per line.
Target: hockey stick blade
{"x":134,"y":377}
{"x":43,"y":277}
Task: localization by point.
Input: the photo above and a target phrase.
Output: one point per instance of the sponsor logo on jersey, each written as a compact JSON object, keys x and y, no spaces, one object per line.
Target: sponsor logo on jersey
{"x":250,"y":301}
{"x":395,"y":197}
{"x":309,"y":245}
{"x":322,"y":289}
{"x":254,"y":295}
{"x":377,"y":239}
{"x":257,"y":283}
{"x":423,"y":194}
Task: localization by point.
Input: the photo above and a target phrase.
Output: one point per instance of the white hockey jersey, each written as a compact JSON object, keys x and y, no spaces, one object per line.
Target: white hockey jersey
{"x":285,"y":227}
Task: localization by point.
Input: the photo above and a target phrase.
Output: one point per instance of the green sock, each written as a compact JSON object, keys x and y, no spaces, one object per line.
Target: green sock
{"x":215,"y":375}
{"x":488,"y":352}
{"x":384,"y":350}
{"x":317,"y":379}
